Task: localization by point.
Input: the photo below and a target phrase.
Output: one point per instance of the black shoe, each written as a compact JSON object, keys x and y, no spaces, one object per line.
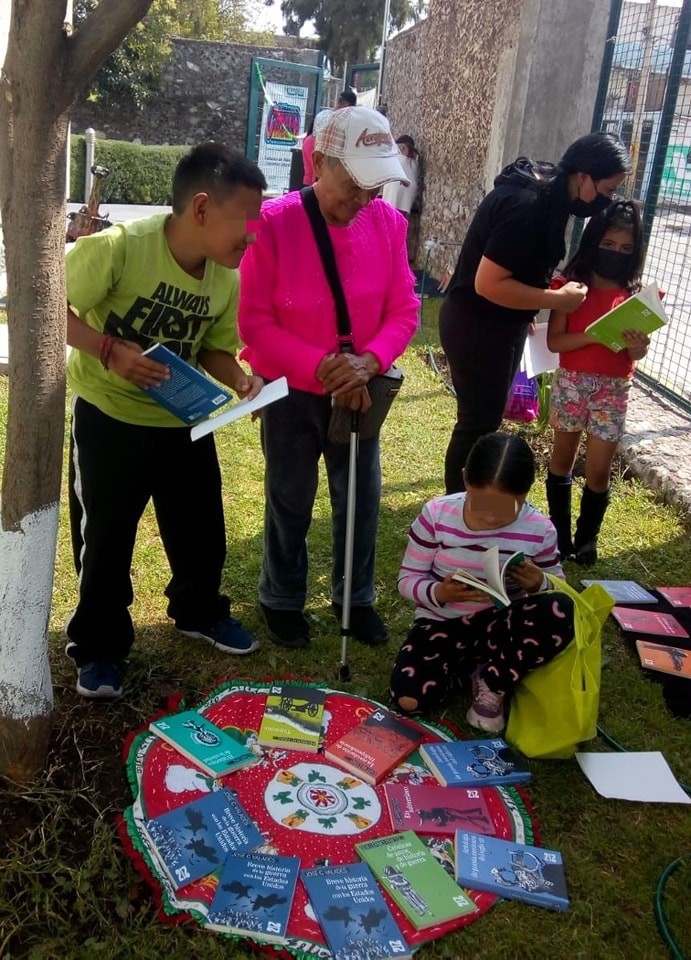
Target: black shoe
{"x":287,"y":628}
{"x":586,"y":556}
{"x":365,"y":625}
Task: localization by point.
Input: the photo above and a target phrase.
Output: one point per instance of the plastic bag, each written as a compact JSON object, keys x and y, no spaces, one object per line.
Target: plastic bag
{"x":555,"y":707}
{"x":522,"y":405}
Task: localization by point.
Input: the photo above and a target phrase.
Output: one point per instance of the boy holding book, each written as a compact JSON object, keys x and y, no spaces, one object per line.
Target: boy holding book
{"x":171,"y":278}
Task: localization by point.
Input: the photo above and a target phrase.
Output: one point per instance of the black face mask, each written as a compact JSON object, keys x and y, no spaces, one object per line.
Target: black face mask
{"x":579,"y":208}
{"x":611,"y":264}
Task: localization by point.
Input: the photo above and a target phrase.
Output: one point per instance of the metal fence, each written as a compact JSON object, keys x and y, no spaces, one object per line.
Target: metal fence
{"x":645,"y":97}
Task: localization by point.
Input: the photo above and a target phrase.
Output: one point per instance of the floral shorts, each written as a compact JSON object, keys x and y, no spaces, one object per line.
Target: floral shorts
{"x":593,"y":402}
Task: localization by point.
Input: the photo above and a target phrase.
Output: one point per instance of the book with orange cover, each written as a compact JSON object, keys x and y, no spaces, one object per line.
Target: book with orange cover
{"x":373,"y":748}
{"x":648,"y":621}
{"x":665,"y":659}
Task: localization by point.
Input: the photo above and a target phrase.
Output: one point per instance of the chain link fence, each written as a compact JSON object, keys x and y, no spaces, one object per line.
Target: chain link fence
{"x":645,"y":98}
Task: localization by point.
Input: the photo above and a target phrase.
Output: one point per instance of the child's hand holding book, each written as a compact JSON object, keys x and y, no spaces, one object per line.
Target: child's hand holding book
{"x":637,"y":343}
{"x":527,"y":575}
{"x":451,"y":591}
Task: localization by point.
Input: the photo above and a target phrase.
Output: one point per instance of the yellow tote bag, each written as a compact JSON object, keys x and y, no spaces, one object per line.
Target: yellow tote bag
{"x":555,"y":707}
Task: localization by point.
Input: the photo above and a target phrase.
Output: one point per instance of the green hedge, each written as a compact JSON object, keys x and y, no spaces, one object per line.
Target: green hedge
{"x":136,"y":174}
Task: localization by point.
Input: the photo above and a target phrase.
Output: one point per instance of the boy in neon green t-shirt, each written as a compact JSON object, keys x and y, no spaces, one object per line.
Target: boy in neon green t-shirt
{"x":171,"y":279}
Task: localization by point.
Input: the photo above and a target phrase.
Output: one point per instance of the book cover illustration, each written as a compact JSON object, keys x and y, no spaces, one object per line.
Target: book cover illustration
{"x":435,"y":810}
{"x":479,"y":763}
{"x":624,"y":591}
{"x":189,"y":394}
{"x":293,"y":717}
{"x":665,"y":659}
{"x":648,"y":621}
{"x":193,"y":840}
{"x":352,"y":912}
{"x":492,"y":577}
{"x":642,"y":311}
{"x":373,"y":748}
{"x":269,"y":393}
{"x":415,"y":879}
{"x":512,"y":870}
{"x":202,"y":742}
{"x":254,"y":896}
{"x":676,"y":596}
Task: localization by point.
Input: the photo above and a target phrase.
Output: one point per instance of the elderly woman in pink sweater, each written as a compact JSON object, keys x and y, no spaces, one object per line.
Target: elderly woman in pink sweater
{"x":287,"y":320}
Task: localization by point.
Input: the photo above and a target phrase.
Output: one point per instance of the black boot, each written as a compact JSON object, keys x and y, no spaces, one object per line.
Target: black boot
{"x":593,"y":508}
{"x":559,"y":500}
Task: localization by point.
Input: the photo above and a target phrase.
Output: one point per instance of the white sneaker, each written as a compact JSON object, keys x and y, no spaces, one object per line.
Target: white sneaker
{"x":486,"y":712}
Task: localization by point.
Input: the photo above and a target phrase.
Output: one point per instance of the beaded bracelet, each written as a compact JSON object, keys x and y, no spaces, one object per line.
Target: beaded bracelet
{"x":106,"y":348}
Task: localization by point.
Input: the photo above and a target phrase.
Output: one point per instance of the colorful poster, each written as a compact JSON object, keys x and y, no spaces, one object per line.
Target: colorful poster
{"x":283,"y":120}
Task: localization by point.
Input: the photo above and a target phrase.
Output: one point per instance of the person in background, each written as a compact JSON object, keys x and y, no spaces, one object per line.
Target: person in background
{"x":501,"y":280}
{"x":347,"y":99}
{"x":590,"y":389}
{"x":399,"y":195}
{"x":308,"y":145}
{"x":172,"y":279}
{"x":459,"y":635}
{"x":288,"y":322}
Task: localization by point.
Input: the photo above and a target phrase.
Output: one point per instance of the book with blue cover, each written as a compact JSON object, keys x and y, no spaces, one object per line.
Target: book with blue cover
{"x":624,"y":591}
{"x":254,"y":896}
{"x":474,"y":763}
{"x":213,"y":750}
{"x":189,"y":394}
{"x":512,"y":870}
{"x":193,"y":840}
{"x":352,"y":912}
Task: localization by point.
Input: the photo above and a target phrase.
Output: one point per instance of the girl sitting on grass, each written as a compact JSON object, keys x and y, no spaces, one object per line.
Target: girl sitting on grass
{"x":590,"y":390}
{"x":459,"y":634}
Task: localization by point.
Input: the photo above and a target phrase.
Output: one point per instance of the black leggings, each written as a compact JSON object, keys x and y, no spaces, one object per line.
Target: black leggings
{"x":483,"y":356}
{"x":505,"y":644}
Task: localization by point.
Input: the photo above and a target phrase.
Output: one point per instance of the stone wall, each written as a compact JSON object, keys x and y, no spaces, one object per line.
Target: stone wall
{"x":477,"y":84}
{"x":204,"y":95}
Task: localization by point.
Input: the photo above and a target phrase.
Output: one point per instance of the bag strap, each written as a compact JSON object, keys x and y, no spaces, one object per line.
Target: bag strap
{"x":328,"y":258}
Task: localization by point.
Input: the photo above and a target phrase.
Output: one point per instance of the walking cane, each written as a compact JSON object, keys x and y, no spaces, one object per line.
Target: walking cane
{"x":343,"y":672}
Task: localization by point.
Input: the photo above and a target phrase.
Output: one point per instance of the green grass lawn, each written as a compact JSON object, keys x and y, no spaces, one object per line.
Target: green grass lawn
{"x":67,"y":890}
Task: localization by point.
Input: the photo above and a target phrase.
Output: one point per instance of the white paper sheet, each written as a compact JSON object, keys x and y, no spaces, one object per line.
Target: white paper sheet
{"x":272,"y":391}
{"x":537,"y":358}
{"x":645,"y":777}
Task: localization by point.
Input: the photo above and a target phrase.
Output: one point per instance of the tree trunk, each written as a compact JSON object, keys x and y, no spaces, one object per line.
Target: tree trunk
{"x":44,"y":69}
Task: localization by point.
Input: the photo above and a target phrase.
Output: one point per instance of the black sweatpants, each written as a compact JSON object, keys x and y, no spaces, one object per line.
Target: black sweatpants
{"x":483,"y":356}
{"x":115,"y":469}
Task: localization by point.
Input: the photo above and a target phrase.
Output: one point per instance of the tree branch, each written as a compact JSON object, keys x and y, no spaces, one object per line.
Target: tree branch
{"x":97,"y":37}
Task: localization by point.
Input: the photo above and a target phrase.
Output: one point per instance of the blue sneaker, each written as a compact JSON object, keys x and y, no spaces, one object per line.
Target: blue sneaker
{"x":227,"y":635}
{"x":100,"y":680}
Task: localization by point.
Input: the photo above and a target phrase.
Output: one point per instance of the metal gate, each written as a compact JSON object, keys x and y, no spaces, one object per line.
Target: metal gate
{"x":645,"y":97}
{"x":284,"y":98}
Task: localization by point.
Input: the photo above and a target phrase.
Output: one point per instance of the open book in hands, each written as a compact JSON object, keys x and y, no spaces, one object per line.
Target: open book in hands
{"x":642,"y":311}
{"x":493,"y":578}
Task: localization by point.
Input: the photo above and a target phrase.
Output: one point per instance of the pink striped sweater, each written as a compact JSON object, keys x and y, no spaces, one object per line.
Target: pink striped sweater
{"x":440,"y":543}
{"x":287,"y":317}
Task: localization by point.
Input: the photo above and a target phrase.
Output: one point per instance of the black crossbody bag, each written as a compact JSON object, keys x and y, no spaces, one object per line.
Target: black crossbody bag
{"x":382,"y":388}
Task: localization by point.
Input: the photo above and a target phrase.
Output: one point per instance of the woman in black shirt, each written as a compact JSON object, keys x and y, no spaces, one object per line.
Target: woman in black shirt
{"x":501,"y":280}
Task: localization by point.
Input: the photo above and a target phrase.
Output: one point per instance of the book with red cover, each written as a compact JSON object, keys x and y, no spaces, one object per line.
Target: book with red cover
{"x":676,"y":596}
{"x":437,"y":810}
{"x":648,"y":621}
{"x":373,"y":748}
{"x":664,"y":658}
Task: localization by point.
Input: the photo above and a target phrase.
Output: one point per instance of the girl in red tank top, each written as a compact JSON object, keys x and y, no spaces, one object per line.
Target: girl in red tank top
{"x":591,"y":387}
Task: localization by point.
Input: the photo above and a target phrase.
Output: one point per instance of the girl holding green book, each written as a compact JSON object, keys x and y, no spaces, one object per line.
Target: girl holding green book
{"x":590,"y":390}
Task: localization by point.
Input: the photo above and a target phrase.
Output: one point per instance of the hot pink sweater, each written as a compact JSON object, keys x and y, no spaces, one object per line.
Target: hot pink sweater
{"x":287,"y":317}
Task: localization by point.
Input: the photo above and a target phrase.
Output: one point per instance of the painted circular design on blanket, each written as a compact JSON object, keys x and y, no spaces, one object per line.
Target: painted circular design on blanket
{"x":318,"y":798}
{"x":274,"y":789}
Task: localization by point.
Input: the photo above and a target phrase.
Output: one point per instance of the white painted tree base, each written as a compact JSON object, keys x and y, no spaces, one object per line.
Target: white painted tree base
{"x":27,"y":563}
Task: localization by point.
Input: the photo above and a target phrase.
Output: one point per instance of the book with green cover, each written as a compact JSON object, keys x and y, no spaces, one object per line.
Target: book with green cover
{"x":642,"y":311}
{"x":415,"y":880}
{"x":292,"y":717}
{"x":213,"y":750}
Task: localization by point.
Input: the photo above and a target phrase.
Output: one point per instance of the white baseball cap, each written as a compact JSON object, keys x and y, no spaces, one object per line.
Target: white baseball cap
{"x":361,"y":139}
